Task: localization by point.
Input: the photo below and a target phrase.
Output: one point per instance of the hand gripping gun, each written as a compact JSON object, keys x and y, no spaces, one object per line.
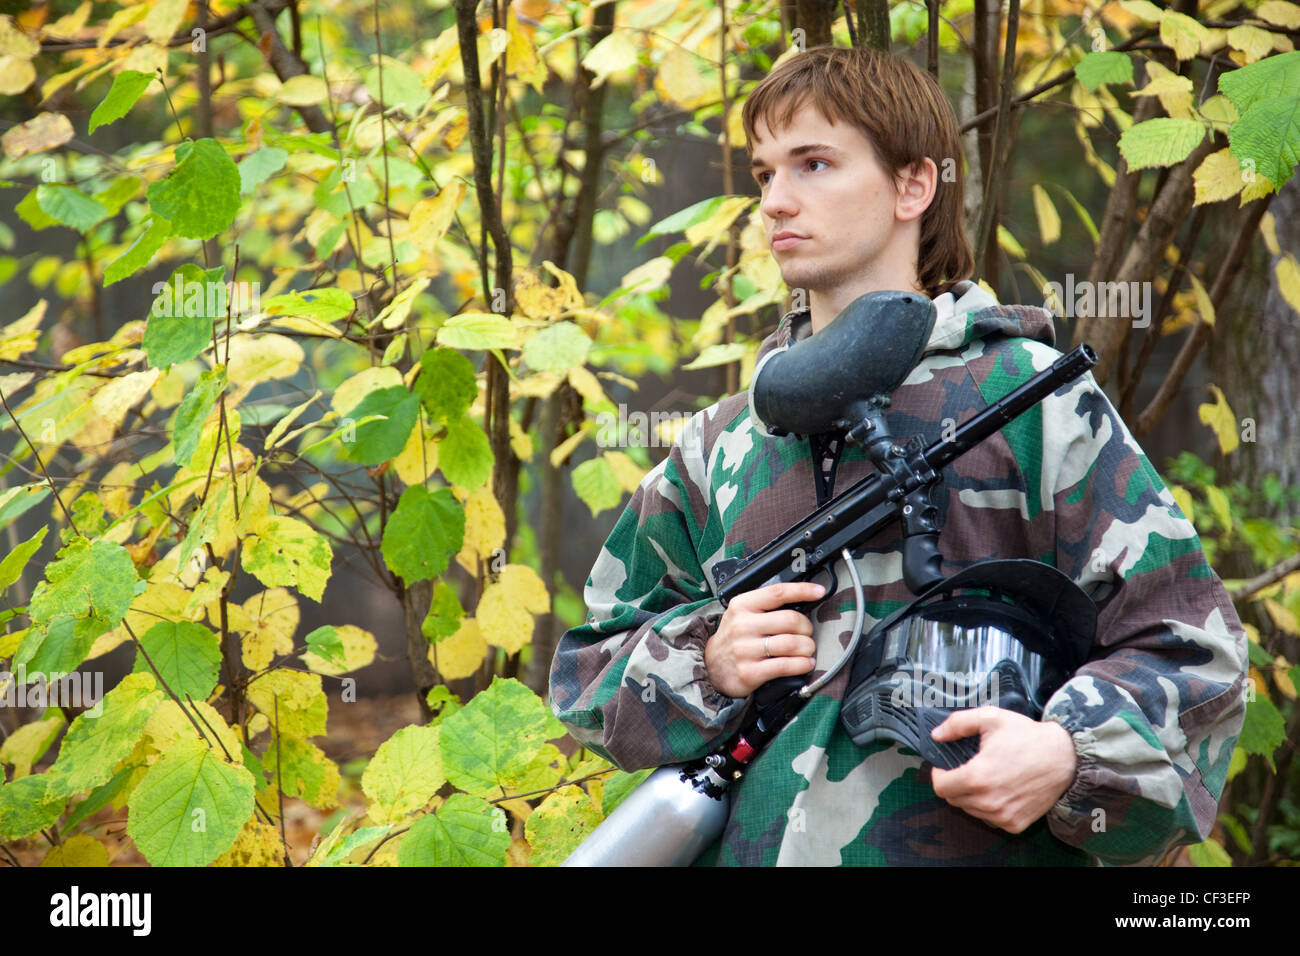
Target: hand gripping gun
{"x":838,"y":380}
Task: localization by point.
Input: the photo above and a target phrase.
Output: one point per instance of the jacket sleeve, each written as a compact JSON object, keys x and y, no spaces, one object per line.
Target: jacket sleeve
{"x":630,"y":682}
{"x":1155,"y":712}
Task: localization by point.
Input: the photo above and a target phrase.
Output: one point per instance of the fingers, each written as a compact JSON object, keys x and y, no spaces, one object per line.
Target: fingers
{"x":778,"y":595}
{"x":783,"y":645}
{"x":965,"y":723}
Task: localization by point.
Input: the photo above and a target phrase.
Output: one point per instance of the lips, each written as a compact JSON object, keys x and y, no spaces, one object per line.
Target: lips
{"x":786,"y":240}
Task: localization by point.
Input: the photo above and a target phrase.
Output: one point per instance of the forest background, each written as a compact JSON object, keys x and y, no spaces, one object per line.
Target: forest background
{"x":331,"y":329}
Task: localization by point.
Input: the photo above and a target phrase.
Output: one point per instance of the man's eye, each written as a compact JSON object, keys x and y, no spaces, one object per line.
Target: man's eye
{"x":760,"y":178}
{"x":822,"y":161}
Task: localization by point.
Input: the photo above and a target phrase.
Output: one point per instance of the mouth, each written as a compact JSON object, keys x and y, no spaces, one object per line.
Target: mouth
{"x":786,"y":240}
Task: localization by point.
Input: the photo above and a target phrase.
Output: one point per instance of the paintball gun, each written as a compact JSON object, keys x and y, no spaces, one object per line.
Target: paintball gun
{"x":839,"y":379}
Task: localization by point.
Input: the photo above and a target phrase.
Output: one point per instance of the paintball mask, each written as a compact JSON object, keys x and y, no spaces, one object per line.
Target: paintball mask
{"x":1002,"y":633}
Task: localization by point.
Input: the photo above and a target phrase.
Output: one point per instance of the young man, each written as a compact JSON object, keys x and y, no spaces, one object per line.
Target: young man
{"x":1130,"y":755}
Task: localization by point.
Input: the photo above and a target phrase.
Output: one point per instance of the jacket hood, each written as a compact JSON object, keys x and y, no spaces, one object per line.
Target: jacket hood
{"x":966,"y":313}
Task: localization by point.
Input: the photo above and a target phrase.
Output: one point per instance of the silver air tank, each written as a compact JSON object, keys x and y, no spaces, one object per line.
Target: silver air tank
{"x":667,"y":821}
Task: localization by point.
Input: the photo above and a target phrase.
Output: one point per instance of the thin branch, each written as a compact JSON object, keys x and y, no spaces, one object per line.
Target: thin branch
{"x":1248,"y":589}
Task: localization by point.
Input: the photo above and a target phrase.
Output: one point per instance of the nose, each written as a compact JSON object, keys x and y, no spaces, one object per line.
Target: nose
{"x":778,"y":199}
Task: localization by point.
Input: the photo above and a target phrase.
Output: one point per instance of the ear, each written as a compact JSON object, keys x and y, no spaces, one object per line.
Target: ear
{"x":916,"y":188}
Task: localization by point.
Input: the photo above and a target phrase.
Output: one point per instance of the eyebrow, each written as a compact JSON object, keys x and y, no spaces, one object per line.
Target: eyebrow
{"x":797,"y":151}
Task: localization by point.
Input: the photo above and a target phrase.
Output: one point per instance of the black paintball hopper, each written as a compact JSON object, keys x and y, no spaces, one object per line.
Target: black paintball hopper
{"x":822,"y":383}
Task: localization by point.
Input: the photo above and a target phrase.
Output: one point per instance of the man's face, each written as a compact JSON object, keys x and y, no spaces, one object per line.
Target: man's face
{"x":828,"y":206}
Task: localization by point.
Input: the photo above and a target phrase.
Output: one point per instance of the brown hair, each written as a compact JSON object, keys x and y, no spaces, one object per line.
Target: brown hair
{"x":906,"y":117}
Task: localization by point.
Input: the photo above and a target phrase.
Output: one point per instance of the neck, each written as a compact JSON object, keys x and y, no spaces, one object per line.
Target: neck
{"x":825,"y":304}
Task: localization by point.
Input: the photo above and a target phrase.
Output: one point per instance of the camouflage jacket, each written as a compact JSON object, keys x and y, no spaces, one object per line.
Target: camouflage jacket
{"x":1154,"y":714}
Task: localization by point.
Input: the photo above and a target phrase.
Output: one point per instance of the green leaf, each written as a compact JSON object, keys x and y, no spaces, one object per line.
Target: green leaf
{"x":446,"y":385}
{"x":88,"y":580}
{"x":354,"y":841}
{"x":557,"y":348}
{"x":554,"y":830}
{"x":721,"y":354}
{"x":445,"y":614}
{"x":404,"y":775}
{"x":115,"y":195}
{"x":285,"y":551}
{"x":465,"y":454}
{"x":95,"y":743}
{"x":69,"y":206}
{"x":127,"y":88}
{"x":180,"y":320}
{"x":30,"y":212}
{"x":187,"y":425}
{"x":1209,"y":853}
{"x":189,"y":808}
{"x":200,"y":197}
{"x":682,"y":220}
{"x":1268,"y":135}
{"x":478,"y":330}
{"x":1269,"y":78}
{"x":100,"y":797}
{"x":258,"y":166}
{"x":1163,"y":141}
{"x":403,"y":86}
{"x":377,"y":441}
{"x":427,"y":528}
{"x":493,"y":741}
{"x":619,"y":787}
{"x":11,"y":568}
{"x":596,"y":484}
{"x":187,"y":655}
{"x":1104,"y":66}
{"x":140,"y":253}
{"x":304,"y":771}
{"x":465,"y":831}
{"x":25,"y":808}
{"x":323,"y":305}
{"x":18,"y":499}
{"x":326,"y":644}
{"x":1264,"y":729}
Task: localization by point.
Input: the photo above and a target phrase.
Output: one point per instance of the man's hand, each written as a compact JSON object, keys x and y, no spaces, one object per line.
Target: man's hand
{"x":1022,"y":768}
{"x":755,"y":643}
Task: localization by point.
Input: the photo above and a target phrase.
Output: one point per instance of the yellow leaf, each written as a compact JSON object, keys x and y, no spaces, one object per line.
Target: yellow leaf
{"x":521,"y":442}
{"x":679,"y":79}
{"x":431,"y":218}
{"x":1204,"y":307}
{"x":628,"y":472}
{"x":358,"y":386}
{"x":16,"y":42}
{"x":302,"y":90}
{"x":716,"y":226}
{"x":538,"y":385}
{"x":114,"y":400}
{"x":1252,"y":632}
{"x":485,"y":528}
{"x":1173,"y":89}
{"x":359,"y":647}
{"x":442,"y":55}
{"x":1218,"y":415}
{"x":44,"y":132}
{"x":611,"y":55}
{"x":77,"y":850}
{"x":457,"y":130}
{"x":127,"y":16}
{"x":161,"y":600}
{"x":394,"y":314}
{"x":565,"y":448}
{"x":505,"y":611}
{"x":1283,"y":619}
{"x":15,"y":75}
{"x":587,"y":385}
{"x":1279,"y":12}
{"x":258,"y":358}
{"x":1282,"y":678}
{"x":69,"y":25}
{"x":164,"y":19}
{"x":1252,"y":41}
{"x":21,"y":747}
{"x":648,"y":276}
{"x":271,"y":619}
{"x":536,"y":299}
{"x":1009,"y":243}
{"x":413,"y":464}
{"x":1288,"y":280}
{"x":1049,"y":220}
{"x":168,"y":724}
{"x":461,"y":654}
{"x":518,"y":852}
{"x":258,"y":844}
{"x":1183,"y":497}
{"x":1218,"y":177}
{"x":1182,"y":33}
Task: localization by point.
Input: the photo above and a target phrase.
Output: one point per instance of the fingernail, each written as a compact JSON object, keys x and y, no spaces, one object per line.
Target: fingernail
{"x":821,"y":589}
